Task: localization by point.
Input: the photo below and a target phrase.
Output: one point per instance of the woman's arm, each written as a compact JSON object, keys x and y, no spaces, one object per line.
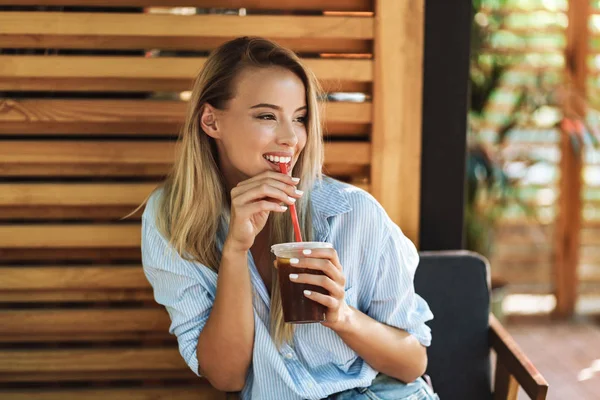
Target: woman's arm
{"x":225,"y":345}
{"x":389,"y":350}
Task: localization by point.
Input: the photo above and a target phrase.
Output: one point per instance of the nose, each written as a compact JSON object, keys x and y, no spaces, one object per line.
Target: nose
{"x":286,"y":136}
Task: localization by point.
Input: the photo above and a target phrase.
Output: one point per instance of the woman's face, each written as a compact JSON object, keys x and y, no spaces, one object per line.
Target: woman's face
{"x":264,"y":122}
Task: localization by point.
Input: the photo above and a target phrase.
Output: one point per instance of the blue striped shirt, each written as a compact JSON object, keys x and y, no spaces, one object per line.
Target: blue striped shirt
{"x":379,"y":263}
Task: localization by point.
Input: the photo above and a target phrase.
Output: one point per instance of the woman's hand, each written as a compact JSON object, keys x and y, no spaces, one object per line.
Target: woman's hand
{"x":333,"y":281}
{"x":251,"y":203}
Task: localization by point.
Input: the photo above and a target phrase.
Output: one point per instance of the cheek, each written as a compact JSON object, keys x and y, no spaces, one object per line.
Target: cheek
{"x":302,"y":137}
{"x":248,"y":140}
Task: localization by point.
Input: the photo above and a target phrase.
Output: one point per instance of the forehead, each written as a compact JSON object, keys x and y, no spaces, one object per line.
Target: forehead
{"x":273,"y":85}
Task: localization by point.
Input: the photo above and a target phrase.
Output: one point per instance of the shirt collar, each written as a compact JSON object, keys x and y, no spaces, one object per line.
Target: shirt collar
{"x":328,"y":200}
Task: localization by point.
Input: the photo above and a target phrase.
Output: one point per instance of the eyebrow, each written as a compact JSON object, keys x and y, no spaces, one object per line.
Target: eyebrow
{"x":274,"y":107}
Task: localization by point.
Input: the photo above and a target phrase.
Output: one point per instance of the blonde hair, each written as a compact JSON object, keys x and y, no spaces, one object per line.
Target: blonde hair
{"x":194,"y":201}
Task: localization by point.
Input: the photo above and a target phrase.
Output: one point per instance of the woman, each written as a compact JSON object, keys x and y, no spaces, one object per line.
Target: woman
{"x":207,"y":233}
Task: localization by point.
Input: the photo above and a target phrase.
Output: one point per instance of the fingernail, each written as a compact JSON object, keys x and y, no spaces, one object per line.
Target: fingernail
{"x":296,"y":180}
{"x":294,"y":261}
{"x":293,"y":276}
{"x":291,"y":199}
{"x":283,"y":208}
{"x":307,"y":292}
{"x":306,"y":252}
{"x":299,"y":192}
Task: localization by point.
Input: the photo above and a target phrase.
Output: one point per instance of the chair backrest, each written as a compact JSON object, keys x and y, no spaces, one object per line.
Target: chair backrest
{"x":456,"y":286}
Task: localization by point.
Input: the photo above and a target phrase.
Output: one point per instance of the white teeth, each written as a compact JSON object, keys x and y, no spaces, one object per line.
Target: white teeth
{"x":277,"y":159}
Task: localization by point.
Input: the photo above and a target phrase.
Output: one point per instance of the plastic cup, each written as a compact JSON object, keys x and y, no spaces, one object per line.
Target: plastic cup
{"x":297,"y":308}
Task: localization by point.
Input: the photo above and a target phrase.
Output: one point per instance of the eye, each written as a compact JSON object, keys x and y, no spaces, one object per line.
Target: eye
{"x":266,"y":117}
{"x":301,"y":119}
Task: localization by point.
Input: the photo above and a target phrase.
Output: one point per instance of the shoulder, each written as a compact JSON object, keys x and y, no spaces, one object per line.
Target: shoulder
{"x":152,"y":205}
{"x":361,"y":204}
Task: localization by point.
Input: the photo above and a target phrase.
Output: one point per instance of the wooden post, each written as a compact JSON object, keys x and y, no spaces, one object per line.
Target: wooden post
{"x":444,"y":133}
{"x":397,"y":102}
{"x":570,"y":203}
{"x":506,"y":386}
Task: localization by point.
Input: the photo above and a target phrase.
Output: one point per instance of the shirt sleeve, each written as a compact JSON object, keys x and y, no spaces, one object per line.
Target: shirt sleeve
{"x":178,"y":287}
{"x":394,"y":300}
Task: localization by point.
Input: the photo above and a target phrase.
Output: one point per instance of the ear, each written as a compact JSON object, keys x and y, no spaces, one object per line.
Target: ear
{"x":208,"y":121}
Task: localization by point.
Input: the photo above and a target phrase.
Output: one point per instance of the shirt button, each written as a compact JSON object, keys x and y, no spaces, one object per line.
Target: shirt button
{"x":289,"y":356}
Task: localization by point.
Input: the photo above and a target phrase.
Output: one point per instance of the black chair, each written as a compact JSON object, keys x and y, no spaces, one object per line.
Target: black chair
{"x":456,"y":284}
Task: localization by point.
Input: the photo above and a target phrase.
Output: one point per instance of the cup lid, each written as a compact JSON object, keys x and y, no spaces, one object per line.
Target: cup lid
{"x":300,"y":246}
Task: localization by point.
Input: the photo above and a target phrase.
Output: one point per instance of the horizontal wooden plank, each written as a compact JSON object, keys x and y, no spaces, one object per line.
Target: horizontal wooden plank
{"x":82,"y":213}
{"x":70,"y":236}
{"x":133,"y":158}
{"x":74,"y":194}
{"x":186,"y":376}
{"x":288,"y":5}
{"x":589,"y":272}
{"x":315,"y":34}
{"x":590,"y":237}
{"x":89,"y":202}
{"x":74,"y":255}
{"x":97,"y":360}
{"x":70,"y":323}
{"x":83,"y":73}
{"x":523,"y":274}
{"x":52,"y":339}
{"x":72,"y":277}
{"x":72,"y":296}
{"x":197,"y":392}
{"x":87,"y":117}
{"x":81,"y":194}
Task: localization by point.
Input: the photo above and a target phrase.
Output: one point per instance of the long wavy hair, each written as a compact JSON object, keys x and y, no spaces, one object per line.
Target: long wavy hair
{"x":194,"y":202}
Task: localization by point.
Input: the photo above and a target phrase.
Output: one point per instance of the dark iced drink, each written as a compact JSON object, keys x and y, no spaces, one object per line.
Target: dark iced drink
{"x":297,"y":308}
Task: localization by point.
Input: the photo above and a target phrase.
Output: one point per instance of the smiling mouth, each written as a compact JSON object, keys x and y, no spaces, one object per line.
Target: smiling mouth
{"x":274,"y":161}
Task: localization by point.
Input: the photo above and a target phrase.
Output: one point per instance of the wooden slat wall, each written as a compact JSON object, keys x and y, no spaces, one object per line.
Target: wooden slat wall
{"x":525,"y":247}
{"x":90,"y":106}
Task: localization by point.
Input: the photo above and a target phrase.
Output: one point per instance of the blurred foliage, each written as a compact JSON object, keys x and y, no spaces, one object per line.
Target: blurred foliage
{"x":536,"y":99}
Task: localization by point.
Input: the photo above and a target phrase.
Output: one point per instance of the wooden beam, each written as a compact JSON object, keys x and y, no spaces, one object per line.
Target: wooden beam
{"x":515,"y":363}
{"x":83,"y":73}
{"x":71,"y":323}
{"x":571,"y":163}
{"x":445,"y":96}
{"x":196,"y":392}
{"x":72,"y":277}
{"x":118,"y":117}
{"x":126,"y":158}
{"x":74,"y":194}
{"x":75,"y":255}
{"x":506,"y":386}
{"x":95,"y":376}
{"x":70,"y":236}
{"x":397,"y":94}
{"x":101,"y":202}
{"x":94,"y":360}
{"x":288,"y":5}
{"x":73,"y":295}
{"x":314,"y":34}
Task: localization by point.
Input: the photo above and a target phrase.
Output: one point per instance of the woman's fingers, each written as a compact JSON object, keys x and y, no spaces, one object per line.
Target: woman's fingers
{"x":262,"y":206}
{"x":263,"y":191}
{"x":327,"y":301}
{"x":324,"y":265}
{"x":277,"y":176}
{"x":323,"y":281}
{"x":327,"y":254}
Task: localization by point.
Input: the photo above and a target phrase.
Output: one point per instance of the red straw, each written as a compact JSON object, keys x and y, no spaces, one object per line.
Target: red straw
{"x":284,"y":170}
